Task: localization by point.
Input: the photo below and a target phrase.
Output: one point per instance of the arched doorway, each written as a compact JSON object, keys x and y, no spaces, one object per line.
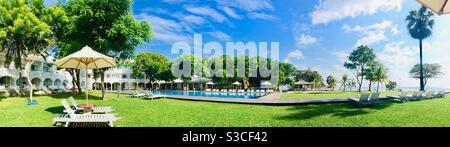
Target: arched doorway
{"x":141,"y":85}
{"x":6,"y":81}
{"x":66,"y":84}
{"x":36,"y":83}
{"x":48,"y":83}
{"x":22,"y":82}
{"x":57,"y":83}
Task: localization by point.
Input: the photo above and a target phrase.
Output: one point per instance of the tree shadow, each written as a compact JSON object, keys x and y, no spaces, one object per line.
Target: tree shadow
{"x":304,"y":112}
{"x":55,"y":110}
{"x":2,"y":97}
{"x":79,"y":96}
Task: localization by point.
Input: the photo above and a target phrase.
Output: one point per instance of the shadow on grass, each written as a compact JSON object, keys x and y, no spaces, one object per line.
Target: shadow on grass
{"x":304,"y":112}
{"x":55,"y":110}
{"x":79,"y":96}
{"x":2,"y":97}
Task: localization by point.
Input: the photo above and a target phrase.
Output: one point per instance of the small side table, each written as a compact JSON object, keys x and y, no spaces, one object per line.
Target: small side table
{"x":87,"y":108}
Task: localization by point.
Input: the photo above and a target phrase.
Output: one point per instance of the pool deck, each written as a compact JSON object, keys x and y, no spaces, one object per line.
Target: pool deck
{"x":271,"y":99}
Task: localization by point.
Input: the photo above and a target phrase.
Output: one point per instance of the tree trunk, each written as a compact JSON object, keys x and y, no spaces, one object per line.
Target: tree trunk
{"x":378,"y":85}
{"x":344,"y":86}
{"x":78,"y":82}
{"x":370,"y":85}
{"x":28,"y":74}
{"x":102,"y":81}
{"x":422,"y":85}
{"x":72,"y":74}
{"x":362,"y":78}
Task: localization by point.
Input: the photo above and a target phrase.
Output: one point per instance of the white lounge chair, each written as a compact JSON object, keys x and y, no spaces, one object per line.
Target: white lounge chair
{"x":71,"y":117}
{"x":440,"y":94}
{"x":402,"y":97}
{"x":429,"y":95}
{"x":154,"y":96}
{"x":138,"y":94}
{"x":417,"y":95}
{"x":375,"y":98}
{"x":362,"y":100}
{"x":94,"y":110}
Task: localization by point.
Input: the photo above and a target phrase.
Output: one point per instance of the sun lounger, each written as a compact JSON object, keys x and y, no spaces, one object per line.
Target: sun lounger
{"x":207,"y":90}
{"x":440,"y":94}
{"x":418,"y":95}
{"x":429,"y":95}
{"x":375,"y":98}
{"x":71,"y":117}
{"x":154,"y":96}
{"x":403,"y":97}
{"x":94,"y":110}
{"x":362,"y":100}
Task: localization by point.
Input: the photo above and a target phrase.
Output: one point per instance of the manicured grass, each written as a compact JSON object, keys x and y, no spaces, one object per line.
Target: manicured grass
{"x":177,"y":113}
{"x":330,"y":94}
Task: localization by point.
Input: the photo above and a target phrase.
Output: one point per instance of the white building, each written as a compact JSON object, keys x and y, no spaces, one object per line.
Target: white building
{"x":118,"y":78}
{"x":44,"y":76}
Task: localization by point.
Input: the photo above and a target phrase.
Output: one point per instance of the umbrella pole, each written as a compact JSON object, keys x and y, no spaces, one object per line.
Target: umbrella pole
{"x":86,"y":85}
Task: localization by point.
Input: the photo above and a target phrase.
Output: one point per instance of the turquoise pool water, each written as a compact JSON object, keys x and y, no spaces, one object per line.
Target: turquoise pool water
{"x":211,"y":94}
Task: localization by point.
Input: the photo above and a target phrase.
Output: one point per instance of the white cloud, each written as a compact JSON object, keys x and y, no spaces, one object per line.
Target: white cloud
{"x":206,"y":11}
{"x":230,"y":12}
{"x":166,"y":30}
{"x":373,"y":33}
{"x":331,"y":10}
{"x":248,"y":5}
{"x":294,"y":55}
{"x":399,"y":59}
{"x":220,"y":35}
{"x":341,"y":56}
{"x":305,"y":40}
{"x":263,"y":16}
{"x":193,"y":19}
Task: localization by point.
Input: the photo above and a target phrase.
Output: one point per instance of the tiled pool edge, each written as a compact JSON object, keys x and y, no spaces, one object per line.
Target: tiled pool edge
{"x":265,"y":100}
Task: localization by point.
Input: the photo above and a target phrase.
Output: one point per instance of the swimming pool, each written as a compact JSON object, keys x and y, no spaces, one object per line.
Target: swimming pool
{"x":211,"y":94}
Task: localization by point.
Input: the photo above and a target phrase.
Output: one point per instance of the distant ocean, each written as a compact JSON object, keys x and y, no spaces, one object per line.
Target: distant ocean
{"x":408,"y":88}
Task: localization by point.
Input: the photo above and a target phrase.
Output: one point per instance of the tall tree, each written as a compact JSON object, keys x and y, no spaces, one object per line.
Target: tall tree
{"x":108,"y":26}
{"x":359,"y":58}
{"x":380,"y":75}
{"x":331,"y":81}
{"x":150,"y":64}
{"x":420,"y":25}
{"x":26,"y":32}
{"x":370,"y":72}
{"x":344,"y":81}
{"x":430,"y":71}
{"x":391,"y":85}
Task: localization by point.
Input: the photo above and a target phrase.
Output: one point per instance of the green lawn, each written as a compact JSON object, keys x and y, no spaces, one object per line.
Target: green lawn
{"x":178,"y":113}
{"x":330,"y":94}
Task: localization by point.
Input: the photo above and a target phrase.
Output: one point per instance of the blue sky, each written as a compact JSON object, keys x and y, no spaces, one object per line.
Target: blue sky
{"x":316,"y":34}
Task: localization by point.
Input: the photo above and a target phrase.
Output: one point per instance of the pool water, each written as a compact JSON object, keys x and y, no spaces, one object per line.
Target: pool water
{"x":211,"y":94}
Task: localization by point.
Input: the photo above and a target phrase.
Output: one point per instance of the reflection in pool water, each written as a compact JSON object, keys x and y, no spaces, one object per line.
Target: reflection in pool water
{"x":211,"y":94}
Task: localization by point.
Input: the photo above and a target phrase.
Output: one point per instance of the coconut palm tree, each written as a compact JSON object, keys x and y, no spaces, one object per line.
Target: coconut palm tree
{"x":344,"y":81}
{"x":420,"y":25}
{"x":381,"y":75}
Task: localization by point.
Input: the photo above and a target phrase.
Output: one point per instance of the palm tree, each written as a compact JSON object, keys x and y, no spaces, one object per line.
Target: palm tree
{"x":317,"y":81}
{"x":381,"y":75}
{"x":344,"y":81}
{"x":420,"y":25}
